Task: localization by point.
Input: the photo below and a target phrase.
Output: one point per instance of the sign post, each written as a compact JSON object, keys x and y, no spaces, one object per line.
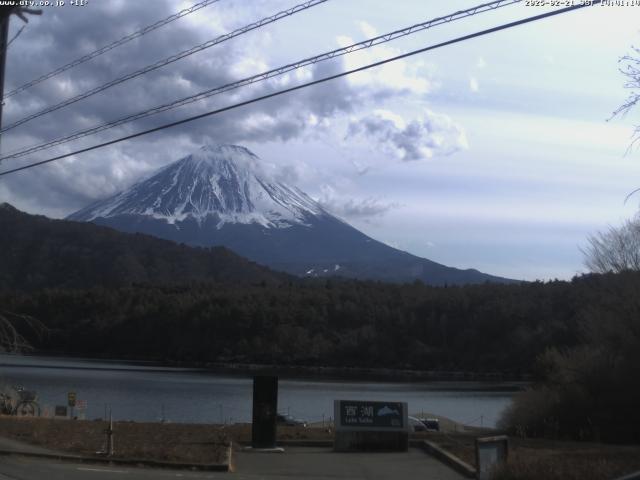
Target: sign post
{"x":368,"y":425}
{"x":71,"y":401}
{"x":81,"y":407}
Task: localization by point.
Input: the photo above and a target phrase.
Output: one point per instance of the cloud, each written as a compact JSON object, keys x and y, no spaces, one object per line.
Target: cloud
{"x":431,"y":135}
{"x":347,"y":207}
{"x":368,"y":29}
{"x":64,"y":34}
{"x":396,"y":78}
{"x":474,"y":86}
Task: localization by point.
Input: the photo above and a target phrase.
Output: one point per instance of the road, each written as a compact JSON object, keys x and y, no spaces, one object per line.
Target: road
{"x":303,"y":463}
{"x":24,"y":468}
{"x":323,"y":464}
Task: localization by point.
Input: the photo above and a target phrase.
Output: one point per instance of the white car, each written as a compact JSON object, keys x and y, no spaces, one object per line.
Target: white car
{"x":416,"y":425}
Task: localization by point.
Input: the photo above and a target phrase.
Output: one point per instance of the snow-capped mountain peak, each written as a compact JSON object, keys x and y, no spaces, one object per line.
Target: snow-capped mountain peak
{"x":226,"y":182}
{"x":222,"y":195}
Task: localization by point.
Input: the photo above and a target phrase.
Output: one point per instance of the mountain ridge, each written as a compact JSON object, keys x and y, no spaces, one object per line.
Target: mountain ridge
{"x":221,"y":179}
{"x":39,"y":252}
{"x":222,"y":195}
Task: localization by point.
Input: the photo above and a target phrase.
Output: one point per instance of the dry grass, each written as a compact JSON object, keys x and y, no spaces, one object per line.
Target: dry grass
{"x":529,"y":458}
{"x":567,"y":467}
{"x":173,"y":442}
{"x":540,"y":459}
{"x":150,"y":441}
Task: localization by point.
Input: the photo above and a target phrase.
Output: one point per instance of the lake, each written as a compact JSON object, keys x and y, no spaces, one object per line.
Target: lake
{"x":143,"y":392}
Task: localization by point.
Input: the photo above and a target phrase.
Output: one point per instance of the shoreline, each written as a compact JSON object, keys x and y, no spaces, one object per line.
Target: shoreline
{"x":503,"y":381}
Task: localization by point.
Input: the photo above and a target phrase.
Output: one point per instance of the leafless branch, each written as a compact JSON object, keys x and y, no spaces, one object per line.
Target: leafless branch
{"x":13,"y":325}
{"x":616,"y":250}
{"x":22,"y":13}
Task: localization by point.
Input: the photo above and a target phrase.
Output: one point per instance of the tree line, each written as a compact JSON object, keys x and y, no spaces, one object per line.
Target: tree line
{"x":490,"y":327}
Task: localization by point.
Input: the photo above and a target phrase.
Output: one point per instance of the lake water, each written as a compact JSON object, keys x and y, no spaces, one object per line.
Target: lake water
{"x":149,"y":393}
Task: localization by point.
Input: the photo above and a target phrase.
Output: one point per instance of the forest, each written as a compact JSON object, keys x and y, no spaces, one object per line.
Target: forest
{"x":579,"y":340}
{"x":87,"y":290}
{"x":491,"y":327}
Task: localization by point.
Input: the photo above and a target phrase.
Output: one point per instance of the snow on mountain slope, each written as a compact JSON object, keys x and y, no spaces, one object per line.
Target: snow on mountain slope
{"x":221,"y":195}
{"x":225,"y":181}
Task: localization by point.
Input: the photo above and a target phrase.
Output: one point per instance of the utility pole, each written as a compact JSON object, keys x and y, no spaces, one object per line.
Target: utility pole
{"x":4,"y":39}
{"x":5,"y":16}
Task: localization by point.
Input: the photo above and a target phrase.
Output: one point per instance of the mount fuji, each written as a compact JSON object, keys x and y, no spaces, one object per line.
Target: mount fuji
{"x":221,"y":195}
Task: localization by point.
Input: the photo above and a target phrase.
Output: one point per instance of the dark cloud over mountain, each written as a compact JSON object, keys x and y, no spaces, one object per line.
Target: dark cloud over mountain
{"x":63,"y":34}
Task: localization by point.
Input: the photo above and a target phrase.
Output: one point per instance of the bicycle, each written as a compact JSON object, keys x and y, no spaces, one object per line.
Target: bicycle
{"x":22,"y":403}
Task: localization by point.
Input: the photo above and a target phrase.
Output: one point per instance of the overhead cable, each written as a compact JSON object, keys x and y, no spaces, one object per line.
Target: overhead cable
{"x":161,"y":63}
{"x":308,"y":84}
{"x":17,"y":34}
{"x":387,"y":37}
{"x":111,"y":46}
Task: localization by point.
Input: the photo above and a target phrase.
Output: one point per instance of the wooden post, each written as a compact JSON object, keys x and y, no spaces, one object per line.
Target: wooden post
{"x":109,"y":432}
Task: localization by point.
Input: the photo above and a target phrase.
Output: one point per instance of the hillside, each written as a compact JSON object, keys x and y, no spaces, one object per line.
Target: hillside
{"x":37,"y":252}
{"x":222,"y":195}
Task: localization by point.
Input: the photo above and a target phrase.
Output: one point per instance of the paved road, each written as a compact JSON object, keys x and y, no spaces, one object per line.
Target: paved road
{"x":324,"y":464}
{"x":17,"y":446}
{"x":23,"y":468}
{"x":302,"y":463}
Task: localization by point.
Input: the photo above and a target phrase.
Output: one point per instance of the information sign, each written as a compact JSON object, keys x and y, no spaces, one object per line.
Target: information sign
{"x":371,"y":415}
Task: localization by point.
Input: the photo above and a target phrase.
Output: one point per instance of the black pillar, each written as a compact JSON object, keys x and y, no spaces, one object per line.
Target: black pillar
{"x":265,"y":408}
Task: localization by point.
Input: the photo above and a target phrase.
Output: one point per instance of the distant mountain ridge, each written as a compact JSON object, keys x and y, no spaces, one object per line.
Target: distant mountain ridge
{"x":221,"y":195}
{"x":220,"y":181}
{"x":38,"y":252}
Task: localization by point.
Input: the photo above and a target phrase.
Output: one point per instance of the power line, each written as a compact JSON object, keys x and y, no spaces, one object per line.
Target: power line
{"x":17,"y":34}
{"x":111,"y":46}
{"x":309,"y":84}
{"x":161,"y":63}
{"x":267,"y":75}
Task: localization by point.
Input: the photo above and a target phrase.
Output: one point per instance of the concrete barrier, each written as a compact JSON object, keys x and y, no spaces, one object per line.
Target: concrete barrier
{"x":371,"y":441}
{"x":449,"y":459}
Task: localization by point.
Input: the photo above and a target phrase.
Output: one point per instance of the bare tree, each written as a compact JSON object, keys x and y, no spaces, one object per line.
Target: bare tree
{"x":12,"y":329}
{"x":616,"y":250}
{"x":630,"y":68}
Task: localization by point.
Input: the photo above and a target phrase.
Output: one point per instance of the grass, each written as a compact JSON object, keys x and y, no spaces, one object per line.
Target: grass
{"x":529,"y":459}
{"x":541,"y":459}
{"x":560,"y":467}
{"x":171,"y":442}
{"x":182,"y":443}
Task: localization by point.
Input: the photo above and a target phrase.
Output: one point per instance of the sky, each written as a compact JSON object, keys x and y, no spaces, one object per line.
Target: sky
{"x":498,"y":153}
